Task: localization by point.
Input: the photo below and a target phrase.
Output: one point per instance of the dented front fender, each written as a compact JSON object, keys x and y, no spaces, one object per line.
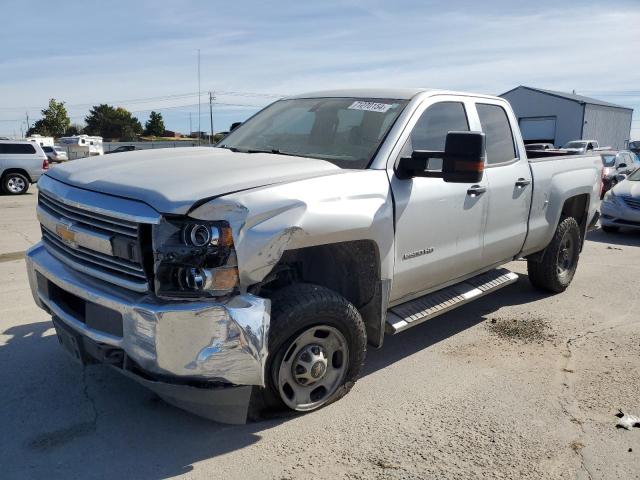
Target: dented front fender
{"x":267,"y":221}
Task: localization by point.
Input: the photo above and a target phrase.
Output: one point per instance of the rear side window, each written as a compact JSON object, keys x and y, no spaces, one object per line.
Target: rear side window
{"x":499,"y":138}
{"x":17,"y":148}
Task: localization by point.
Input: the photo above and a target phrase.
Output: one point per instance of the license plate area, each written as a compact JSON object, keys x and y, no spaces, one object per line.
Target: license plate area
{"x":94,"y":316}
{"x":71,"y":341}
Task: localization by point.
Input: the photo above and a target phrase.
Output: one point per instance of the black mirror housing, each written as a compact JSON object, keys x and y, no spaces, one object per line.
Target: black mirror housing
{"x":462,"y":160}
{"x":234,"y":125}
{"x":464,"y":156}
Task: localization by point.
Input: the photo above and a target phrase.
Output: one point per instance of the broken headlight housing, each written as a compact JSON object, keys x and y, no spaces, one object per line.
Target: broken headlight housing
{"x":193,"y":258}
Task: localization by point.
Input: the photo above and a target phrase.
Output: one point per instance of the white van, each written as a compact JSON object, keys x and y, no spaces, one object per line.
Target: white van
{"x":21,"y":164}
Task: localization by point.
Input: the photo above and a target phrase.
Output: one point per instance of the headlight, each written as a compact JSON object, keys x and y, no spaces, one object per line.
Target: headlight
{"x":611,"y":197}
{"x":193,"y":258}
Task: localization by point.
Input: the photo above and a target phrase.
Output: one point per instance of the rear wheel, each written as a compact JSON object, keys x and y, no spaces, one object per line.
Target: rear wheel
{"x":560,"y":261}
{"x":15,"y":183}
{"x":318,"y":345}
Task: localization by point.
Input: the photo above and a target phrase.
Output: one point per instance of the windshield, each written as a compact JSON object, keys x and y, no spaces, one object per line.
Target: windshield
{"x":343,"y":131}
{"x":575,"y":145}
{"x":608,"y":160}
{"x":47,"y":149}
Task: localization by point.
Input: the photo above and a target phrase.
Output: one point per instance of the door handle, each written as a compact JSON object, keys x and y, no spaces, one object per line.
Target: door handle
{"x":476,"y":190}
{"x":522,"y":182}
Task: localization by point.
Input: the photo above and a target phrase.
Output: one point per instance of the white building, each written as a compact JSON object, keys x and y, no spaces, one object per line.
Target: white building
{"x":558,"y":117}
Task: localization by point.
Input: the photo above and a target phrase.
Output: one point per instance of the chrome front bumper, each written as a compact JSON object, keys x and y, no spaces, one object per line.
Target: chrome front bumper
{"x":199,"y":341}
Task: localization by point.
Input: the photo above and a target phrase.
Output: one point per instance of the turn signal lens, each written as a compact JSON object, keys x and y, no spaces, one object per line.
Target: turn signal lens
{"x":224,"y":278}
{"x":226,"y":237}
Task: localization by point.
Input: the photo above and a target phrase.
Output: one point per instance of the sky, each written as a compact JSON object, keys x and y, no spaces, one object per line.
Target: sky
{"x":142,"y":55}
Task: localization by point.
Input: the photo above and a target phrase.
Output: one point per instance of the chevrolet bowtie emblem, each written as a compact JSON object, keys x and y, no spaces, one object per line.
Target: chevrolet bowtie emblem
{"x":65,"y":233}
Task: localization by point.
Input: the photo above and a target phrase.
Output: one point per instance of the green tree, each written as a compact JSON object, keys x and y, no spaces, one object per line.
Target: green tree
{"x":110,"y":122}
{"x":74,"y":129}
{"x":155,"y":125}
{"x":54,"y":122}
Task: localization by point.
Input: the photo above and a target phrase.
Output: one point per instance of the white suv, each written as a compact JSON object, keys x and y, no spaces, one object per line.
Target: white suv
{"x":21,"y":163}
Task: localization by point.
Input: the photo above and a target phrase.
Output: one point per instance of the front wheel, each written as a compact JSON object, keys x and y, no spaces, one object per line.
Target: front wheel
{"x":318,"y":342}
{"x":15,"y":183}
{"x":560,"y":261}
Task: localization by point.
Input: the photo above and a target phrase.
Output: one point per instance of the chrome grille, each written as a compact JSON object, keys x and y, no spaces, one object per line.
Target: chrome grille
{"x":93,"y":254}
{"x":632,"y":202}
{"x":90,"y":219}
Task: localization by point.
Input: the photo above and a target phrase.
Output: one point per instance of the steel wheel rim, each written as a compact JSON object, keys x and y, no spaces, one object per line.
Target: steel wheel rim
{"x":309,"y":389}
{"x":566,"y":254}
{"x":15,"y":184}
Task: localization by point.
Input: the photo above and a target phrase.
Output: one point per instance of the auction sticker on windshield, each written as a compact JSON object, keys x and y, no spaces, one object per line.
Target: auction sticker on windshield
{"x":370,"y":106}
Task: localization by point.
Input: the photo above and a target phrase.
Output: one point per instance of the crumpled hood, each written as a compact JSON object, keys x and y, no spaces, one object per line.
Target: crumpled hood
{"x":171,"y":180}
{"x":628,"y":188}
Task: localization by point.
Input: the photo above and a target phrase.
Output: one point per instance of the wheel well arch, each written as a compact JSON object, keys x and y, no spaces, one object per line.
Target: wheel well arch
{"x":15,"y":170}
{"x":578,"y":208}
{"x":350,"y":268}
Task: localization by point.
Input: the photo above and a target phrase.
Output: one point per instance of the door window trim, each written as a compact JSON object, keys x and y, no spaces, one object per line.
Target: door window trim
{"x":516,"y":148}
{"x":467,"y":105}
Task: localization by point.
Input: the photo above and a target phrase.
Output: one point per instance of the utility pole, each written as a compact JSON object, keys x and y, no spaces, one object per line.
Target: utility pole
{"x":190,"y":125}
{"x":28,"y":126}
{"x":211,"y":99}
{"x":199,"y":128}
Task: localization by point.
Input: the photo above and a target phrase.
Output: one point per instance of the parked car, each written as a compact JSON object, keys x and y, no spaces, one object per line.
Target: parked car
{"x":581,"y":146}
{"x":21,"y":164}
{"x":254,"y":275}
{"x":123,"y":148}
{"x":55,"y":154}
{"x":621,"y":205}
{"x":613,"y":164}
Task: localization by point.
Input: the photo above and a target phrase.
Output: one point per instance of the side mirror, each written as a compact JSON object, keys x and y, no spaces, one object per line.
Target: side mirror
{"x":235,"y":125}
{"x":462,"y":160}
{"x":620,"y":177}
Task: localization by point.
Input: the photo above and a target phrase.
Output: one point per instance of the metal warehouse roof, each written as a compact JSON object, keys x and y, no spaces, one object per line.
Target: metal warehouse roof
{"x":571,"y":96}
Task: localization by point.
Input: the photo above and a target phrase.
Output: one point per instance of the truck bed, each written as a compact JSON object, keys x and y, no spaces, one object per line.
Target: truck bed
{"x":556,"y":178}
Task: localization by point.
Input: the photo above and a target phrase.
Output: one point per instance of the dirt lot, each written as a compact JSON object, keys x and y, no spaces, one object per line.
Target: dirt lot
{"x":517,"y":385}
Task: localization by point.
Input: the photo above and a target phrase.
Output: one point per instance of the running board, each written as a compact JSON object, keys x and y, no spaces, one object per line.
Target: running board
{"x":414,"y":312}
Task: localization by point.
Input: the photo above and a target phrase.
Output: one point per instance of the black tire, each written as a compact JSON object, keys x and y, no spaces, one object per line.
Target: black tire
{"x":558,"y":266}
{"x":608,"y":229}
{"x":15,"y":183}
{"x":297,"y":309}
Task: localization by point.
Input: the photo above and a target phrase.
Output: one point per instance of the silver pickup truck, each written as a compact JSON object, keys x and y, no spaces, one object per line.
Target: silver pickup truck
{"x":252,"y":276}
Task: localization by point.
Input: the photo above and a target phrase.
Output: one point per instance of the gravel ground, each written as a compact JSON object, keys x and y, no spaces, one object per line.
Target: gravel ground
{"x":517,"y":385}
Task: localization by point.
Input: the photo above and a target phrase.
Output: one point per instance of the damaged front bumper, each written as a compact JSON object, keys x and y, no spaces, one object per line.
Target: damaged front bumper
{"x":202,"y":356}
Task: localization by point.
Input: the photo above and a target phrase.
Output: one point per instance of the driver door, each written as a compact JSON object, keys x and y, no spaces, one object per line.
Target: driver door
{"x":439,"y":225}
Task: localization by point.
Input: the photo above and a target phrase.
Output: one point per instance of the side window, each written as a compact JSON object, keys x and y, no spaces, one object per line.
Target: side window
{"x":17,"y":148}
{"x":499,"y":137}
{"x":430,"y":132}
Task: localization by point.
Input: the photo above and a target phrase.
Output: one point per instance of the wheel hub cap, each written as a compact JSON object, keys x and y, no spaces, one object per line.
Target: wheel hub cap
{"x":310,"y":364}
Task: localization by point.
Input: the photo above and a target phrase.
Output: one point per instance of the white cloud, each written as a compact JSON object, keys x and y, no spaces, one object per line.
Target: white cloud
{"x":302,"y":47}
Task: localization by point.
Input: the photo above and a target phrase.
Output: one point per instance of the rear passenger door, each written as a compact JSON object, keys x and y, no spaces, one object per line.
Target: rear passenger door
{"x":509,"y":184}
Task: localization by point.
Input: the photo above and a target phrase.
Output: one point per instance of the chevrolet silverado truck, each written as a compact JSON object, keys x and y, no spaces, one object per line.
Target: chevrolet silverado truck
{"x":252,"y":276}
